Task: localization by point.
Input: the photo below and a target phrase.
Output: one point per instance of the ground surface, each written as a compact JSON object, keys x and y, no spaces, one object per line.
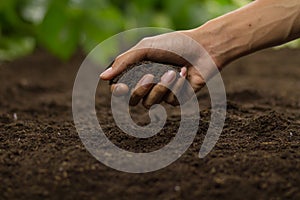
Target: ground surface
{"x":257,"y":155}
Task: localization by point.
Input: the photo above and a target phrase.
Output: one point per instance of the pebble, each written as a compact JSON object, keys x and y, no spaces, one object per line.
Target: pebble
{"x":15,"y":116}
{"x":290,"y":136}
{"x":219,"y":180}
{"x":177,"y":188}
{"x":65,"y":174}
{"x":213,"y":170}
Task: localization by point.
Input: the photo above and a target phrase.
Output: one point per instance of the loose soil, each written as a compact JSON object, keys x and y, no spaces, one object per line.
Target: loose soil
{"x":143,"y":68}
{"x":256,"y":157}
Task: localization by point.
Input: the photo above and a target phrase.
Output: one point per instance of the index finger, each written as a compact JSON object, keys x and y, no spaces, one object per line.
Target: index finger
{"x":122,"y":62}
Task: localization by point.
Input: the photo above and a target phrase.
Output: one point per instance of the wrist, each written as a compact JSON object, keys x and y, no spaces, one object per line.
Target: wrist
{"x":228,"y":37}
{"x":213,"y":38}
{"x":210,"y":37}
{"x":259,"y":25}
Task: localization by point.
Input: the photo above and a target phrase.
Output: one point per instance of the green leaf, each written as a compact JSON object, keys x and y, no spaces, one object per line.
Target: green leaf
{"x":59,"y":32}
{"x":98,"y":25}
{"x":14,"y":47}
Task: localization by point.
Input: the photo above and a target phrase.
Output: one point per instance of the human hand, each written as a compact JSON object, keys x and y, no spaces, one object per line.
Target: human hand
{"x":177,"y":48}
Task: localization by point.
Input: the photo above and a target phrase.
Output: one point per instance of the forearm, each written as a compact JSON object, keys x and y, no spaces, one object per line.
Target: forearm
{"x":259,"y":25}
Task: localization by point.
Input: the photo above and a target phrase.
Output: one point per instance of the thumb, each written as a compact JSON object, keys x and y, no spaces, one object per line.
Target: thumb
{"x":122,"y":62}
{"x":196,"y":81}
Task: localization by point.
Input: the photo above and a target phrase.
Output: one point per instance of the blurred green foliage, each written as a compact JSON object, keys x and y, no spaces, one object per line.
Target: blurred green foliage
{"x":61,"y":26}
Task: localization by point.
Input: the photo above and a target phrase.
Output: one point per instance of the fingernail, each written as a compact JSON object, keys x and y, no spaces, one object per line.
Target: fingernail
{"x":146,"y":80}
{"x":117,"y":90}
{"x":105,"y":72}
{"x":168,"y":77}
{"x":183,"y":72}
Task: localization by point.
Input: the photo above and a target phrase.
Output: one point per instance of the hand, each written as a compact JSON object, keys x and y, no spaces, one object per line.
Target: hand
{"x":177,"y":48}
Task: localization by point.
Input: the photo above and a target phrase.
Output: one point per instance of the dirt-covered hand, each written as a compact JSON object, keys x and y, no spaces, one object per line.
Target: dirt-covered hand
{"x":176,"y":48}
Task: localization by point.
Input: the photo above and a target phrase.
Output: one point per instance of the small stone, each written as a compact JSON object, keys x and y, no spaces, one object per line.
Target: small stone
{"x":80,"y":169}
{"x":213,"y":170}
{"x":93,"y":167}
{"x":24,"y":82}
{"x":65,"y":174}
{"x":290,"y":136}
{"x":15,"y":116}
{"x":177,"y":188}
{"x":219,"y":181}
{"x":263,"y":185}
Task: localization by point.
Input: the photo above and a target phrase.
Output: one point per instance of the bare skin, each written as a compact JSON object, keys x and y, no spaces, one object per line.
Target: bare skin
{"x":259,"y":25}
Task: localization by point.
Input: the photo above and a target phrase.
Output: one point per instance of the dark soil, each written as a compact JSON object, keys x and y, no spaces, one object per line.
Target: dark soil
{"x":256,"y":157}
{"x":143,"y":68}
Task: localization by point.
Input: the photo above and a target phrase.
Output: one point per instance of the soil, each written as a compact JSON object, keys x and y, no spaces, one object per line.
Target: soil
{"x":256,"y":157}
{"x":143,"y":68}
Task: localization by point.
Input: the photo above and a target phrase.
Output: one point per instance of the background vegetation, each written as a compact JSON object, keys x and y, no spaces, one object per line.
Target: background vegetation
{"x":62,"y":26}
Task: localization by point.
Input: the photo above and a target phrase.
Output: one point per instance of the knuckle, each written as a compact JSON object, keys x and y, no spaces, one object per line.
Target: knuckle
{"x":197,"y":82}
{"x":133,"y":102}
{"x":119,"y":57}
{"x":169,"y":98}
{"x":147,"y":104}
{"x":118,"y":60}
{"x":135,"y":97}
{"x":172,"y":101}
{"x":159,"y":89}
{"x":138,"y":92}
{"x":145,"y":41}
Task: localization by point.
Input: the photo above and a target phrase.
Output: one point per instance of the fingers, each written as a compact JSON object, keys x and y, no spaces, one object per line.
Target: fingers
{"x":140,"y":53}
{"x":154,"y":95}
{"x":171,"y":98}
{"x":195,"y":79}
{"x":189,"y":83}
{"x":147,"y":49}
{"x":159,"y":91}
{"x":119,"y":89}
{"x":142,"y":88}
